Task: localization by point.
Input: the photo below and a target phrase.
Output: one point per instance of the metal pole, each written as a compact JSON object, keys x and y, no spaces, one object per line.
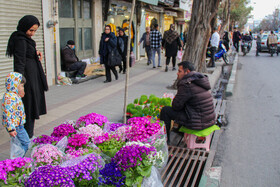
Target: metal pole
{"x":127,"y":61}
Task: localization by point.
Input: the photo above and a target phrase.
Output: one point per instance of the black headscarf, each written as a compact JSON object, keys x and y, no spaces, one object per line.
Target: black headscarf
{"x":24,"y":24}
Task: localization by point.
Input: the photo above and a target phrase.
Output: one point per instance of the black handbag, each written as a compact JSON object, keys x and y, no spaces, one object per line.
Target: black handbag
{"x":114,"y":58}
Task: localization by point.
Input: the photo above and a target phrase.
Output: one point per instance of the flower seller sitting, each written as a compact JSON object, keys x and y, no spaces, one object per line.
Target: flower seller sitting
{"x":192,"y":106}
{"x":71,"y":61}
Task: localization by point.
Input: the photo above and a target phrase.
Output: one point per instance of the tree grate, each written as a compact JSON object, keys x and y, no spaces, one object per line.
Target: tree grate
{"x":184,"y":167}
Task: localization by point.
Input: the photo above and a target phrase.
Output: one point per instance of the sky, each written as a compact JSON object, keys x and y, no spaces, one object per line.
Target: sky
{"x":263,"y":8}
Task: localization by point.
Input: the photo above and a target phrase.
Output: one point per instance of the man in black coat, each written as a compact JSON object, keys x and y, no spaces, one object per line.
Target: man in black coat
{"x":71,"y":61}
{"x":192,"y":106}
{"x":236,"y":38}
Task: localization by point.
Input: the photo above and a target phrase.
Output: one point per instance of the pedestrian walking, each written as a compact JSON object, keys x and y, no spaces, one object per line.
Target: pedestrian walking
{"x":156,"y":40}
{"x":171,"y":42}
{"x":122,"y":39}
{"x":27,"y":61}
{"x":108,"y":43}
{"x":226,"y":40}
{"x":215,"y":39}
{"x":236,"y":38}
{"x":259,"y":41}
{"x":13,"y":115}
{"x":146,"y":44}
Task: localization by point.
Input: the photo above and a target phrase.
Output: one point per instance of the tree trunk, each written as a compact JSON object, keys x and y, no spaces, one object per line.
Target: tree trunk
{"x":226,"y":14}
{"x":203,"y":11}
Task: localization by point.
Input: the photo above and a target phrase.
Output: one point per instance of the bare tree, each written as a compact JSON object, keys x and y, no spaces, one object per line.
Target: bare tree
{"x":203,"y":11}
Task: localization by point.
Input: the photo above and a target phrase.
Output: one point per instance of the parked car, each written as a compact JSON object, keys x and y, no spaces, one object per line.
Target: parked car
{"x":264,"y":43}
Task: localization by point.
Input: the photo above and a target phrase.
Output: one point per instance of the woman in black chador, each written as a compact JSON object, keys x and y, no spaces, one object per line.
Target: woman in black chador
{"x":27,"y":61}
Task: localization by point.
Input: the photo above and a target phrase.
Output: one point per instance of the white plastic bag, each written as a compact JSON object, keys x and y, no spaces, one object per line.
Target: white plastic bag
{"x":16,"y":148}
{"x":179,"y":55}
{"x":62,"y":144}
{"x":154,"y":180}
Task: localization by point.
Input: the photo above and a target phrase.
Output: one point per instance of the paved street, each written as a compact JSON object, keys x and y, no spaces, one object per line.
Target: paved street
{"x":249,"y":147}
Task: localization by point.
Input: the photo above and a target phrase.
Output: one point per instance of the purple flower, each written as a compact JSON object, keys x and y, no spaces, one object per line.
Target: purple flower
{"x":63,"y":130}
{"x":85,"y":172}
{"x":130,"y":156}
{"x":111,"y":175}
{"x":92,"y":118}
{"x":11,"y":167}
{"x":50,"y":176}
{"x":142,"y":128}
{"x":45,"y":139}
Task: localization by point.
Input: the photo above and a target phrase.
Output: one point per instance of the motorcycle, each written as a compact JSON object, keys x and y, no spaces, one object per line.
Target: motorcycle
{"x":245,"y":46}
{"x":273,"y":49}
{"x":222,"y":52}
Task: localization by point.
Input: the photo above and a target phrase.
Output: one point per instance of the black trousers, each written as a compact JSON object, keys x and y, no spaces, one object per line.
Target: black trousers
{"x":80,"y":66}
{"x":258,"y":48}
{"x":123,"y":66}
{"x":173,"y":61}
{"x":167,"y":114}
{"x":108,"y":70}
{"x":213,"y":52}
{"x":236,"y":45}
{"x":29,"y":126}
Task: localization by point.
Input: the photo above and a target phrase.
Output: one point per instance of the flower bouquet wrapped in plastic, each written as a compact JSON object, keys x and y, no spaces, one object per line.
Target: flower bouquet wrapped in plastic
{"x":46,"y":154}
{"x":51,"y":176}
{"x":135,"y":160}
{"x":92,"y":118}
{"x":14,"y":171}
{"x":109,"y":144}
{"x":84,"y":170}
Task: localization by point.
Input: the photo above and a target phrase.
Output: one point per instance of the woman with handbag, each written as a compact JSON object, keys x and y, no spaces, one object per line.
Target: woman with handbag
{"x":107,"y":52}
{"x":27,"y":61}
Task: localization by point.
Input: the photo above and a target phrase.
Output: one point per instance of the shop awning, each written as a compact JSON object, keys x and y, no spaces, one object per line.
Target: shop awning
{"x":151,"y":2}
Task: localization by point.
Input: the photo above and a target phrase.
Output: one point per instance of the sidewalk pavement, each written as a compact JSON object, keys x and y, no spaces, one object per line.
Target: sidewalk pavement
{"x":71,"y":102}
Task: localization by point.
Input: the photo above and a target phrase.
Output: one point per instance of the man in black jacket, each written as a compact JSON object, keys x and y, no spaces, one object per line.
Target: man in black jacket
{"x":236,"y":38}
{"x":192,"y":106}
{"x":71,"y":61}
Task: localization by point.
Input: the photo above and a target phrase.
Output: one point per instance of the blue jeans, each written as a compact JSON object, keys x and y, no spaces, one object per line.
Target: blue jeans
{"x":20,"y":143}
{"x":154,"y":51}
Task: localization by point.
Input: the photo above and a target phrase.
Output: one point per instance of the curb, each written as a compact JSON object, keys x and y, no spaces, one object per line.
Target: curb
{"x":231,"y":82}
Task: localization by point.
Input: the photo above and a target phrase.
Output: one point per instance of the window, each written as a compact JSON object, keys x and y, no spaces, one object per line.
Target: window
{"x":66,"y":9}
{"x":80,"y":39}
{"x":79,"y":12}
{"x":75,"y":18}
{"x":65,"y":35}
{"x":87,"y":9}
{"x":88,"y":38}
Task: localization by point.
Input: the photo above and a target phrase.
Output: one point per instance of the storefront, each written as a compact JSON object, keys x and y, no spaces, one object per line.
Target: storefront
{"x":11,"y":13}
{"x":119,"y":16}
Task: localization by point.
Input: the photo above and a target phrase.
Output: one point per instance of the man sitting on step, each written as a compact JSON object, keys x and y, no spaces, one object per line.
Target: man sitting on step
{"x":192,"y":106}
{"x":71,"y":61}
